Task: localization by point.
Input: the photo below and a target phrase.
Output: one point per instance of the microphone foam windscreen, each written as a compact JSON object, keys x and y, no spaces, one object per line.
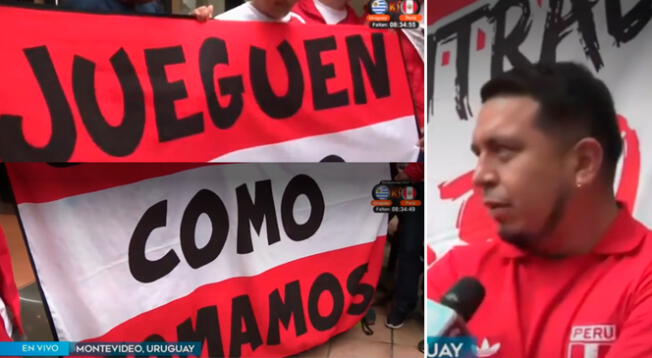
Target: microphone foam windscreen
{"x":465,"y":297}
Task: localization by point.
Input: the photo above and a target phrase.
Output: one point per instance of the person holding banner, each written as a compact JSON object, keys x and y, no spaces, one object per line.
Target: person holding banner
{"x":409,"y":246}
{"x":411,"y":41}
{"x":330,"y":12}
{"x":570,"y":273}
{"x":255,"y":10}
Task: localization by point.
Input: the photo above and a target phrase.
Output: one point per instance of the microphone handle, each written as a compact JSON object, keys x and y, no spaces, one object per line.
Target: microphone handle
{"x":458,"y":329}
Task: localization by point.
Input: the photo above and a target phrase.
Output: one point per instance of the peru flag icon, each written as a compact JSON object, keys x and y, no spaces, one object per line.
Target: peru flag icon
{"x":588,"y":350}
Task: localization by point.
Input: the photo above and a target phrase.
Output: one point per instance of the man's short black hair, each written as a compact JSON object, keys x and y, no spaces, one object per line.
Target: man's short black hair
{"x":574,"y":104}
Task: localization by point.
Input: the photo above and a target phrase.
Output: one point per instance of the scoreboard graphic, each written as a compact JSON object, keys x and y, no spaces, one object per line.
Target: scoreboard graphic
{"x":395,"y":14}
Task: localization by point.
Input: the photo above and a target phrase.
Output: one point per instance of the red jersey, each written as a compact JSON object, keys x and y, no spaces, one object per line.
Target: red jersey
{"x":414,"y":70}
{"x":415,"y":171}
{"x":597,"y":305}
{"x":308,"y":11}
{"x":248,"y":12}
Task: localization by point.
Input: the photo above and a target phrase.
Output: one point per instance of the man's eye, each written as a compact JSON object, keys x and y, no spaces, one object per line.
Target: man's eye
{"x":504,"y":153}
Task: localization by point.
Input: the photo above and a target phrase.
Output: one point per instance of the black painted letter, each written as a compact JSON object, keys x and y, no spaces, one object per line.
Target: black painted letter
{"x":625,"y":28}
{"x":356,"y":287}
{"x":302,"y":184}
{"x":204,"y":202}
{"x":282,"y":312}
{"x":255,"y":211}
{"x":207,"y":330}
{"x":13,"y":146}
{"x":325,"y":282}
{"x":320,"y":73}
{"x":143,"y":269}
{"x":557,"y":27}
{"x":508,"y":45}
{"x":377,"y":72}
{"x":213,"y":52}
{"x":277,"y":106}
{"x":121,"y":140}
{"x":243,"y":313}
{"x":170,"y":127}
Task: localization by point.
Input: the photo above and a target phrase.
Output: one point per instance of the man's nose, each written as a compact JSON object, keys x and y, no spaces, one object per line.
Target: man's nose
{"x":484,"y":175}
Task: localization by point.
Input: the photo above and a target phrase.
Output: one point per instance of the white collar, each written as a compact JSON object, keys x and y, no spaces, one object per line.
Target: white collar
{"x":260,"y":14}
{"x":331,"y":16}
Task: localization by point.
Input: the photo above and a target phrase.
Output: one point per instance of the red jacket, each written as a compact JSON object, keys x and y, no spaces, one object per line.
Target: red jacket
{"x":596,"y":305}
{"x":414,"y":171}
{"x":307,"y":10}
{"x":415,"y":74}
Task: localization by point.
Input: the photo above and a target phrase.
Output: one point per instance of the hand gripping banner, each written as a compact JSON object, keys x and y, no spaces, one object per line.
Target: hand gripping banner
{"x":256,"y":260}
{"x":86,"y":87}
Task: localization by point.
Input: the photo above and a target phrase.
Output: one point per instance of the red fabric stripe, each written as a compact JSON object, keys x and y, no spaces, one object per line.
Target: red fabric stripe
{"x":482,"y":39}
{"x":414,"y":69}
{"x":577,"y":350}
{"x":446,"y":58}
{"x":440,"y":9}
{"x":431,"y":256}
{"x":165,"y":319}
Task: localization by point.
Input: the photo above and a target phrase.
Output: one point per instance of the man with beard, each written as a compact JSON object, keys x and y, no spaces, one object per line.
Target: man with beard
{"x":570,"y":274}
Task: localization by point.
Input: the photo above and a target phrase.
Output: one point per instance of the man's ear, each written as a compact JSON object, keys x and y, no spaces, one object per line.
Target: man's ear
{"x":589,"y":157}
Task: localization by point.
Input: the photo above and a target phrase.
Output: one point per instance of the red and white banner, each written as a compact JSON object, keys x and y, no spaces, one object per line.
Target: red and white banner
{"x":86,"y":87}
{"x":259,"y":260}
{"x":469,"y":41}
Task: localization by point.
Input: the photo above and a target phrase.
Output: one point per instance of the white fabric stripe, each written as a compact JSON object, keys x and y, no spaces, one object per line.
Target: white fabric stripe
{"x":5,"y":318}
{"x":390,"y":141}
{"x":591,"y":350}
{"x":80,"y":243}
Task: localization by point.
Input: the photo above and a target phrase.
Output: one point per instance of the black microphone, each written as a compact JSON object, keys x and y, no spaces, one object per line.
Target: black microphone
{"x":448,"y":318}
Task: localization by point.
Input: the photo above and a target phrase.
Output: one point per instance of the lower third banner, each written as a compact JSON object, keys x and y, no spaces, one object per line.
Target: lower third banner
{"x":147,"y":349}
{"x":251,"y":260}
